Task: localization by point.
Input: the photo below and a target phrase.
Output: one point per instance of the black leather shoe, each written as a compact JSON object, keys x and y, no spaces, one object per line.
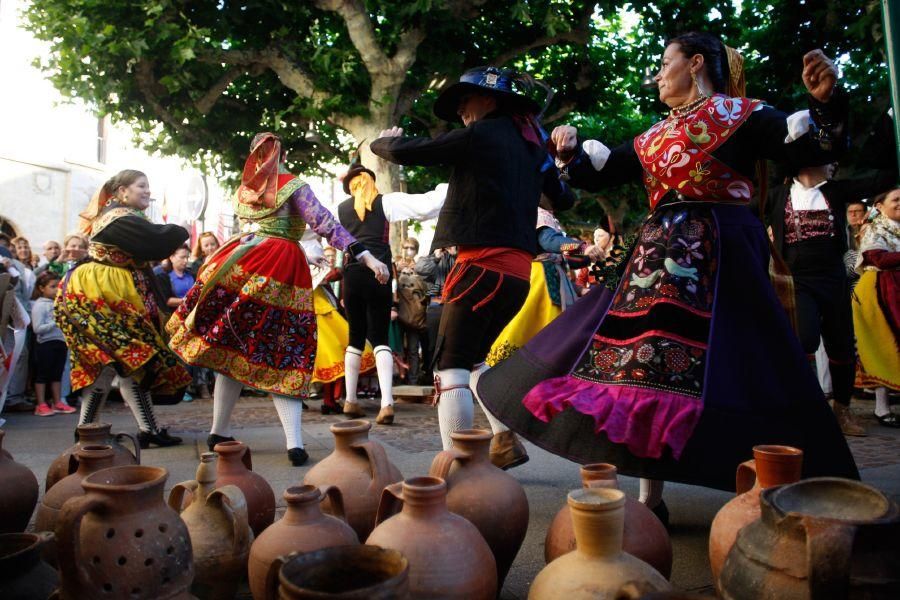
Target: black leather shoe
{"x":213,"y":439}
{"x":330,"y":409}
{"x":161,"y":438}
{"x":662,"y":513}
{"x":298,"y":456}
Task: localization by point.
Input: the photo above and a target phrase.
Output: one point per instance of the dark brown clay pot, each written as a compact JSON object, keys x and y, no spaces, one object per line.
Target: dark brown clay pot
{"x":341,"y":573}
{"x":645,"y":537}
{"x":360,"y":468}
{"x":235,"y":467}
{"x":120,"y":540}
{"x":817,"y":538}
{"x":18,"y":492}
{"x":491,"y":499}
{"x":216,"y":520}
{"x":94,"y":434}
{"x":771,"y":466}
{"x":303,"y":528}
{"x":86,"y":460}
{"x":23,"y":575}
{"x":448,"y":557}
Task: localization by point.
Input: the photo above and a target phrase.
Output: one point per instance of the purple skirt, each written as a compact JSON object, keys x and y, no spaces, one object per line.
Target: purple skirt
{"x":682,"y":370}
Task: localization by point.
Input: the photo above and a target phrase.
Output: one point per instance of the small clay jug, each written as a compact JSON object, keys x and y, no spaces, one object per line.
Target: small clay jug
{"x":93,"y":434}
{"x":340,"y":573}
{"x":818,"y":538}
{"x":448,"y":557}
{"x":771,"y":466}
{"x":18,"y":492}
{"x":360,"y":468}
{"x":23,"y":575}
{"x":86,"y":460}
{"x":120,"y":540}
{"x":597,"y":568}
{"x":216,"y":519}
{"x":303,"y":528}
{"x":644,"y":537}
{"x":235,"y":467}
{"x":488,"y":497}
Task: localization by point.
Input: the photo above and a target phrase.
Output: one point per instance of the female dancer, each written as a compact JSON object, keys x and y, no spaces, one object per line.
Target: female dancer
{"x":249,"y":316}
{"x":692,"y":360}
{"x":108,"y":307}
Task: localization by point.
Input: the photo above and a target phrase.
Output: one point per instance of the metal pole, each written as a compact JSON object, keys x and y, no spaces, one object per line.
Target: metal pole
{"x":890,"y":12}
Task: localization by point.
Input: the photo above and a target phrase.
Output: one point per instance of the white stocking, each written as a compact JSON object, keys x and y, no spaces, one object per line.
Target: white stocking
{"x":496,"y":425}
{"x":225,"y":395}
{"x":94,"y":396}
{"x":290,"y":411}
{"x":384,"y":365}
{"x":651,"y":492}
{"x":352,"y":361}
{"x":882,"y":407}
{"x":138,"y":400}
{"x":455,"y":407}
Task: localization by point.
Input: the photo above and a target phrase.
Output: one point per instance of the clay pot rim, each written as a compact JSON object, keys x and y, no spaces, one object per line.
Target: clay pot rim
{"x":302,"y":493}
{"x":777,"y":453}
{"x":351,"y":552}
{"x":609,"y":470}
{"x":771,"y":496}
{"x":99,"y":481}
{"x":208,"y":456}
{"x":92,"y":426}
{"x":229,"y":447}
{"x":28,"y":542}
{"x":350,"y":426}
{"x":472,"y":435}
{"x":425,"y":488}
{"x":596,"y":499}
{"x":95,"y":451}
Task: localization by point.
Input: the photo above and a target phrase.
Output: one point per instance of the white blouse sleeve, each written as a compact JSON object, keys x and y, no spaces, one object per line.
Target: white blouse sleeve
{"x":398,"y":206}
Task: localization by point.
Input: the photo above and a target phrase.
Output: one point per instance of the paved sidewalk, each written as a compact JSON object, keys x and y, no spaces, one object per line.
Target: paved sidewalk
{"x":411,"y":444}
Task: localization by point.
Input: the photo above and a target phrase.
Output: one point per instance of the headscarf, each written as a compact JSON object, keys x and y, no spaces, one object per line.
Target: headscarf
{"x":100,"y":200}
{"x":881,"y":234}
{"x":259,"y":181}
{"x":364,"y":192}
{"x":737,"y":83}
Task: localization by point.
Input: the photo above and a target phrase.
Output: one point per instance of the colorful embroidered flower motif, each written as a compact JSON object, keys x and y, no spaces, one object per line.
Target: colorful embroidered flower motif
{"x":728,"y":110}
{"x":690,"y":249}
{"x":676,"y":360}
{"x":645,"y":353}
{"x":643,"y":254}
{"x":606,"y":359}
{"x":698,"y":172}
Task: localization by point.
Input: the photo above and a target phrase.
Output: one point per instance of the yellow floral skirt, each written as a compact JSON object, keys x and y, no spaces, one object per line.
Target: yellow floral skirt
{"x":110,"y":318}
{"x":879,"y":360}
{"x":333,"y":339}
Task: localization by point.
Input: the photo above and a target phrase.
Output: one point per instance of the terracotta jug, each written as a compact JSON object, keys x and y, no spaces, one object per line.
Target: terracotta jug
{"x":488,"y":497}
{"x":598,"y":567}
{"x":340,"y":573}
{"x":303,"y":528}
{"x":771,"y":466}
{"x":447,"y":556}
{"x":216,"y":520}
{"x":360,"y":468}
{"x":18,"y":492}
{"x":817,"y":538}
{"x":94,"y":434}
{"x":23,"y":575}
{"x":235,"y":467}
{"x":86,"y":460}
{"x":645,"y":537}
{"x":120,"y":540}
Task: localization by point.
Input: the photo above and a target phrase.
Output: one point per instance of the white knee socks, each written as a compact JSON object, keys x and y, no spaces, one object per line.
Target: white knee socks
{"x":651,"y":492}
{"x":455,"y":407}
{"x":93,"y":396}
{"x":882,"y":407}
{"x":384,"y":365}
{"x":225,"y":395}
{"x":138,"y":400}
{"x":496,"y":425}
{"x":290,"y":411}
{"x":352,"y":361}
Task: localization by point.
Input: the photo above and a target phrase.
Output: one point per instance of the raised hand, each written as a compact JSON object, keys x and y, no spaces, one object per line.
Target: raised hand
{"x":565,"y":140}
{"x":392,"y":132}
{"x":819,"y":75}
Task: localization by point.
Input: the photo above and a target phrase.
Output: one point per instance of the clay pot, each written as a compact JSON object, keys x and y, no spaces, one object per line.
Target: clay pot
{"x":303,"y":528}
{"x":120,"y":540}
{"x":447,"y":556}
{"x":18,"y":492}
{"x":341,"y":573}
{"x":216,"y":520}
{"x":771,"y":466}
{"x":86,"y":460}
{"x":488,"y":497}
{"x":23,"y":575}
{"x":597,"y":568}
{"x":93,"y":434}
{"x":817,"y":538}
{"x":645,"y":537}
{"x":235,"y":467}
{"x":360,"y":469}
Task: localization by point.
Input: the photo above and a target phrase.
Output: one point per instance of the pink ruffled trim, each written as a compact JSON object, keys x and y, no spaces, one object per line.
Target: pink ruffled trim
{"x":644,"y":420}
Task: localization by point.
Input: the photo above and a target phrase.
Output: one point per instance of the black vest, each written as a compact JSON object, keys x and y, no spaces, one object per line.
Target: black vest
{"x":372,"y":232}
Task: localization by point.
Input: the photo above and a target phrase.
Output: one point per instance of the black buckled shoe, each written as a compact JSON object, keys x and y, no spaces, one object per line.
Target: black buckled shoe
{"x":331,"y":409}
{"x":213,"y":439}
{"x":662,"y":513}
{"x":298,"y":456}
{"x":161,"y":438}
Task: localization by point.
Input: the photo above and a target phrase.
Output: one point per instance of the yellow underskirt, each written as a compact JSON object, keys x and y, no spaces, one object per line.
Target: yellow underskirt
{"x":333,"y":339}
{"x":879,"y":361}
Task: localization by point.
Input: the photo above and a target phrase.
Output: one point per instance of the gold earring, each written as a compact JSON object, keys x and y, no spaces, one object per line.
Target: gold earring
{"x":700,"y":91}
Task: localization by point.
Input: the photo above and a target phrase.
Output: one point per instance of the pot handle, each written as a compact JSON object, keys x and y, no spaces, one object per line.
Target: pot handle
{"x":333,"y":493}
{"x":176,"y":496}
{"x":231,"y":498}
{"x":440,"y":466}
{"x":67,"y":535}
{"x":391,"y":502}
{"x":381,"y":466}
{"x":134,"y":443}
{"x":272,"y":577}
{"x":829,"y":550}
{"x":247,"y":458}
{"x":745,"y":478}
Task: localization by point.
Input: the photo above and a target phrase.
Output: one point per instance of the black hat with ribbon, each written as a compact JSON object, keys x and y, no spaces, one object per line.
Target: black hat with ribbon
{"x":355,"y":168}
{"x":495,"y":81}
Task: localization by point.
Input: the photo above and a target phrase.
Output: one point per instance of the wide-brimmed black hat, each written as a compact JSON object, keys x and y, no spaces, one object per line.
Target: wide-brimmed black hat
{"x":490,"y":80}
{"x":355,"y":168}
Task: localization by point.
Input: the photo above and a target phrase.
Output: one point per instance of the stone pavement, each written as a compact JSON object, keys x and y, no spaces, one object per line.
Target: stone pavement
{"x":411,"y":444}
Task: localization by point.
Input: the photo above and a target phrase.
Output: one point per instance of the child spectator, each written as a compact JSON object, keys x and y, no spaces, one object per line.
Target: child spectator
{"x":50,"y":347}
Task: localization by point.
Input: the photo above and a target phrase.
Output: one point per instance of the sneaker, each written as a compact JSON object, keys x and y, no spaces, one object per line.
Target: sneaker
{"x":62,"y":407}
{"x":43,"y":410}
{"x":187,"y":397}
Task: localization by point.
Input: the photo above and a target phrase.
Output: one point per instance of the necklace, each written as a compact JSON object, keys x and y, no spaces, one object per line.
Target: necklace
{"x":686,"y":109}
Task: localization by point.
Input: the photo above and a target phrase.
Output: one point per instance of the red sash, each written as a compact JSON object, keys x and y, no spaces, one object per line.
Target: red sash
{"x":676,"y":153}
